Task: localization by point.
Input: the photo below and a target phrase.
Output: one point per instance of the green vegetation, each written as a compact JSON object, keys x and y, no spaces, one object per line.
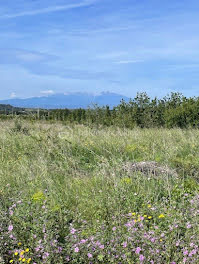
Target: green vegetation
{"x":172,"y":111}
{"x":65,"y":196}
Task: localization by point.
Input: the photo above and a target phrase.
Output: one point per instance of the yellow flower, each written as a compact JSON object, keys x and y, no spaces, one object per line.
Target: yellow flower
{"x":161,"y":216}
{"x":133,"y":214}
{"x":160,"y":240}
{"x":19,"y":244}
{"x":39,"y":196}
{"x":149,"y":206}
{"x":20,"y":259}
{"x":16,"y":253}
{"x":27,"y":249}
{"x":145,"y":216}
{"x":29,"y":260}
{"x":11,"y":261}
{"x":23,"y":260}
{"x":149,"y":217}
{"x":22,"y":252}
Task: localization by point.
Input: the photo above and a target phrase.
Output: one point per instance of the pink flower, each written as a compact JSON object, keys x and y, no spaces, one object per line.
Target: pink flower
{"x":193,"y":252}
{"x":185,"y":252}
{"x":10,"y":228}
{"x":138,"y":249}
{"x":142,"y":258}
{"x":89,"y":255}
{"x":76,"y":249}
{"x":73,"y":230}
{"x":124,"y":244}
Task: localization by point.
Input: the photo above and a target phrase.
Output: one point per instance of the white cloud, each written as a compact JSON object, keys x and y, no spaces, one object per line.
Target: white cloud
{"x":112,"y":55}
{"x":13,"y":95}
{"x":128,"y":61}
{"x":29,"y":57}
{"x":49,"y":9}
{"x":47,"y":92}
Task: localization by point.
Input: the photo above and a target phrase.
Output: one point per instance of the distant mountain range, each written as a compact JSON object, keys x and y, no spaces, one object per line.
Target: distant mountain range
{"x":70,"y":101}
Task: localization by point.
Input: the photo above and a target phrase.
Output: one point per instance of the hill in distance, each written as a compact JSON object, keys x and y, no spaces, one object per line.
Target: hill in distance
{"x":70,"y":101}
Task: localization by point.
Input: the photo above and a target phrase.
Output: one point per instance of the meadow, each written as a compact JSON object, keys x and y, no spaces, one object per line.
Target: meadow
{"x":65,"y":196}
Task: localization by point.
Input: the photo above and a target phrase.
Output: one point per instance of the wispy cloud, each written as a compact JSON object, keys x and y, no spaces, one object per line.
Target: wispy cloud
{"x":13,"y":95}
{"x":47,"y":92}
{"x":111,"y":55}
{"x":51,"y":9}
{"x":128,"y":61}
{"x":20,"y":56}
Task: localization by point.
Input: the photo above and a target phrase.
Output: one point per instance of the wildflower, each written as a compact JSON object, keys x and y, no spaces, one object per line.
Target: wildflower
{"x":89,"y":255}
{"x":133,"y":214}
{"x":161,"y":216}
{"x":29,"y":260}
{"x":20,"y":259}
{"x":189,"y":225}
{"x":142,"y":257}
{"x":39,"y":196}
{"x":149,"y":217}
{"x":11,"y":261}
{"x":138,"y":249}
{"x":27,"y":250}
{"x":193,"y":252}
{"x":23,"y":260}
{"x":114,"y":228}
{"x":73,"y":230}
{"x":10,"y":228}
{"x":149,"y":206}
{"x":22,"y":252}
{"x":19,"y":244}
{"x":76,"y":249}
{"x":16,"y":253}
{"x":124,"y":244}
{"x":185,"y":252}
{"x":145,"y":216}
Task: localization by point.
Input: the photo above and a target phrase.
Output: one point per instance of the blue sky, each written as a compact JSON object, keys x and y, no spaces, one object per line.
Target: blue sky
{"x":122,"y":46}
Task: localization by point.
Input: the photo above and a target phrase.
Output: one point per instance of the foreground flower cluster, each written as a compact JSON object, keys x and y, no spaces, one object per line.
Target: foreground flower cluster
{"x":31,"y":232}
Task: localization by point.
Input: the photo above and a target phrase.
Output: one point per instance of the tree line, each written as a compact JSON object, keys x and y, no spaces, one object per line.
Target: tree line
{"x":174,"y":110}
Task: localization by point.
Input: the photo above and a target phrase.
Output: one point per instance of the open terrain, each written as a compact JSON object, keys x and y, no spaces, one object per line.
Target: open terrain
{"x":67,"y":195}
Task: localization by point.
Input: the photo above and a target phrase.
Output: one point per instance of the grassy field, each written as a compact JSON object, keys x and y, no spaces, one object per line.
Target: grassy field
{"x":66,"y":198}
